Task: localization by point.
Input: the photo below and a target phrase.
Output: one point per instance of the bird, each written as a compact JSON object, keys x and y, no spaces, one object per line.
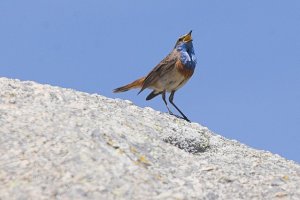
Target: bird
{"x":169,"y":75}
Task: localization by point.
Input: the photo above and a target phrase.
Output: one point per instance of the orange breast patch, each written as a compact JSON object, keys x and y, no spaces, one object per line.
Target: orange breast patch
{"x":187,"y":73}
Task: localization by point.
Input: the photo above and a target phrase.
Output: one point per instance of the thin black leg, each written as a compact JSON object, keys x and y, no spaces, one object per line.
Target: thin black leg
{"x":164,"y":98}
{"x":171,"y":101}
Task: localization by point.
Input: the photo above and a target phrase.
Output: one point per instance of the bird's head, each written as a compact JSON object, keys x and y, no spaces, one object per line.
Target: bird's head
{"x":184,"y":39}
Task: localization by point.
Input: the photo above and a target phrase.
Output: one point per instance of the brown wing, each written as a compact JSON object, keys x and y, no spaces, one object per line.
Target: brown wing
{"x":166,"y":65}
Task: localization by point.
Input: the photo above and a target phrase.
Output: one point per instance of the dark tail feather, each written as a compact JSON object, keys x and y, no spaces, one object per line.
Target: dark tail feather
{"x":152,"y":95}
{"x":135,"y":84}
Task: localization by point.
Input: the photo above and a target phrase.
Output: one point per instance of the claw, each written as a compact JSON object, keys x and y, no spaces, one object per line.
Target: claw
{"x":186,"y":119}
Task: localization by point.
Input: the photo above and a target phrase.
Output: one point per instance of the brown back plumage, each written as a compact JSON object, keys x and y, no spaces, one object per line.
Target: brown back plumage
{"x":161,"y":69}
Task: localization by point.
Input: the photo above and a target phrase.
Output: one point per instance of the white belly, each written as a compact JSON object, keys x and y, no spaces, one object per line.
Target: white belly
{"x":170,"y":82}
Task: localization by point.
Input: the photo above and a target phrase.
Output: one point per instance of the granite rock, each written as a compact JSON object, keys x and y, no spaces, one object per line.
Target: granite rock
{"x":58,"y":143}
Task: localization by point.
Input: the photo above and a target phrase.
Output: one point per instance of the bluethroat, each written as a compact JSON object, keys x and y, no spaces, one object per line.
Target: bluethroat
{"x":170,"y":74}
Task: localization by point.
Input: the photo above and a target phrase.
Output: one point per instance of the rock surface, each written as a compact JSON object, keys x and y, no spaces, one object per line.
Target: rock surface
{"x":65,"y":144}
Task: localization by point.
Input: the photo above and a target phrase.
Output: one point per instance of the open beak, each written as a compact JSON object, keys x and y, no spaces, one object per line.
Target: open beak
{"x":188,"y":37}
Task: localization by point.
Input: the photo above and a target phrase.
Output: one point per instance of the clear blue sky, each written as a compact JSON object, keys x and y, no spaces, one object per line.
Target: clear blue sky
{"x":247,"y":81}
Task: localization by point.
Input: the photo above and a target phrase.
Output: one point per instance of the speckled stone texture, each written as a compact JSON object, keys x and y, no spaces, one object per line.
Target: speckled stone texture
{"x":58,"y":143}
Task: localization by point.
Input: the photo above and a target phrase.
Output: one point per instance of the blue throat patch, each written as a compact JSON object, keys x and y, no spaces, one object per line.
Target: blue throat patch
{"x":187,"y":55}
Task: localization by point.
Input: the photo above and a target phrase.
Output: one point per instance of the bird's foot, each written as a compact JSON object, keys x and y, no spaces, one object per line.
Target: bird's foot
{"x":185,"y":118}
